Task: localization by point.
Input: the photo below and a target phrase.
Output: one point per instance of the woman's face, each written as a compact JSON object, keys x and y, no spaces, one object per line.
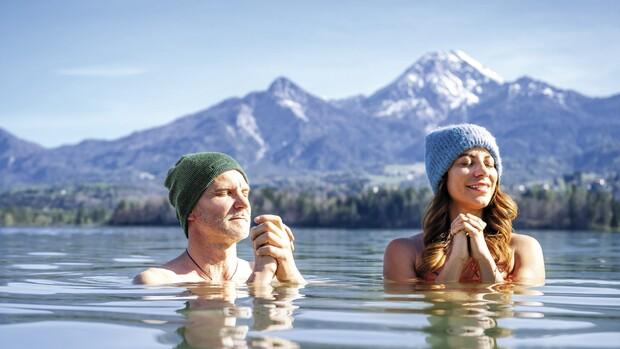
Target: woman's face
{"x":472,"y":180}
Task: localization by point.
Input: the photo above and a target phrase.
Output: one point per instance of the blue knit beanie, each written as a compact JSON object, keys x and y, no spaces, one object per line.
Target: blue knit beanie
{"x":445,"y":144}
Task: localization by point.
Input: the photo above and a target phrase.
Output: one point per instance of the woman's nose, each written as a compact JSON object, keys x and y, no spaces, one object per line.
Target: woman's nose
{"x":481,"y":170}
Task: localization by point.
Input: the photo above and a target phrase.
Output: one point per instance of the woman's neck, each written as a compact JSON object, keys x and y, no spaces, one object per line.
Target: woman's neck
{"x":455,"y":210}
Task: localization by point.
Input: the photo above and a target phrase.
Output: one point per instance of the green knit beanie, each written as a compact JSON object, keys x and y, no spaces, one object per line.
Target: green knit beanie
{"x":191,"y":176}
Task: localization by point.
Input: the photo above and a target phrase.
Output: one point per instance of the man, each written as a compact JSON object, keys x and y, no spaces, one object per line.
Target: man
{"x":209,"y":192}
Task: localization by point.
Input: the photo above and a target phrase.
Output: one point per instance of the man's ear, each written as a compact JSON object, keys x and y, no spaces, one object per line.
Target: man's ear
{"x":191,"y":217}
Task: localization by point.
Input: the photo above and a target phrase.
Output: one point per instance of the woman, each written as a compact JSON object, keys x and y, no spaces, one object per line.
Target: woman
{"x":467,"y":233}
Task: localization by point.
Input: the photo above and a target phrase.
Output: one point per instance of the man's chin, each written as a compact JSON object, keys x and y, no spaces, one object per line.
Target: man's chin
{"x":244,"y":232}
{"x":241,"y":231}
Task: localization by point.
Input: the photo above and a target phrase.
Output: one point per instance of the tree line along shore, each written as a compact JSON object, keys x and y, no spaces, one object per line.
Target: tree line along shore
{"x":572,"y":207}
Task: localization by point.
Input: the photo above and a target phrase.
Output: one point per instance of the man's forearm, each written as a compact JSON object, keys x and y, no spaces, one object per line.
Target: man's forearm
{"x":288,"y":272}
{"x":264,"y":271}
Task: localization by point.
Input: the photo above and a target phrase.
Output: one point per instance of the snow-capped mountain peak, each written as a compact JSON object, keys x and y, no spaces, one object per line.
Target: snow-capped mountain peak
{"x":457,"y":62}
{"x":286,"y":89}
{"x":528,"y":87}
{"x":290,"y":96}
{"x":286,"y":135}
{"x":492,"y":75}
{"x":436,"y":84}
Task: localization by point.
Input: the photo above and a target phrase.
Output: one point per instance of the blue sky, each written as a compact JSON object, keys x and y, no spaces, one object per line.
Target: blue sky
{"x":71,"y":70}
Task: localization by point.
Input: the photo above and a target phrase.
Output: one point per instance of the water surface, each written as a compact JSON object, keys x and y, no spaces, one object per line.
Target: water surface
{"x":71,"y":288}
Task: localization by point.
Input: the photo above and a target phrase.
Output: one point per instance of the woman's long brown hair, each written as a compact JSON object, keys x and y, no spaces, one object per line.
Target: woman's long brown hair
{"x":498,"y":215}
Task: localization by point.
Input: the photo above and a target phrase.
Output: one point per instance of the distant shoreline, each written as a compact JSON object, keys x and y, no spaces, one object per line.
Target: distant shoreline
{"x":540,"y":208}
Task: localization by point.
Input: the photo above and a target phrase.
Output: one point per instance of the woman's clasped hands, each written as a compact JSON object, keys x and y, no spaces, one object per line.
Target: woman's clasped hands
{"x":466,"y":237}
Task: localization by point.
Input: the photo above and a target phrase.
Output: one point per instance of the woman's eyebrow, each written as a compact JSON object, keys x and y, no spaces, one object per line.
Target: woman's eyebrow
{"x":473,"y":156}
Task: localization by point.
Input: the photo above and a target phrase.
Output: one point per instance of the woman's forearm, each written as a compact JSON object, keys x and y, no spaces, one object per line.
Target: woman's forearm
{"x":452,"y":270}
{"x":489,"y":273}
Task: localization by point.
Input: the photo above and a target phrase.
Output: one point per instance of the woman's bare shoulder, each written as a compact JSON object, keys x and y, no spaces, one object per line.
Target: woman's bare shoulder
{"x":522,"y":242}
{"x":407,"y":245}
{"x":400,"y":257}
{"x":529,"y":267}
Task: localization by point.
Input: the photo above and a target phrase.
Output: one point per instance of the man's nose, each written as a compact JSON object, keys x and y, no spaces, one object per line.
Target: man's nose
{"x":241,"y":200}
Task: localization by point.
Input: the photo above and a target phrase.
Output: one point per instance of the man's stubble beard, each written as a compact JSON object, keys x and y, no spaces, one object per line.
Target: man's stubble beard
{"x":238,"y":230}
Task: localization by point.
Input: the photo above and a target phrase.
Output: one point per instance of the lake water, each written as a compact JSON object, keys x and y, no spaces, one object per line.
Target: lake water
{"x":71,"y":288}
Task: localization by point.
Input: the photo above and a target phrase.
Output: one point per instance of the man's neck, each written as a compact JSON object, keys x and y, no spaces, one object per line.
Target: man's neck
{"x":215,"y":259}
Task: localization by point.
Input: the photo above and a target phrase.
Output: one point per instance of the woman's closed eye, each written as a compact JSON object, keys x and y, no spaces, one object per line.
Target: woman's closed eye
{"x":465,"y":162}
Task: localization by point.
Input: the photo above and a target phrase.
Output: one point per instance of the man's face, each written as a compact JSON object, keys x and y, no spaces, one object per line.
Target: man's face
{"x":223,"y":211}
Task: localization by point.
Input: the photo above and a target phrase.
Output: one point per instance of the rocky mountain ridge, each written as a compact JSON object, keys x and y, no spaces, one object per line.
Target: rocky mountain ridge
{"x":285,"y":132}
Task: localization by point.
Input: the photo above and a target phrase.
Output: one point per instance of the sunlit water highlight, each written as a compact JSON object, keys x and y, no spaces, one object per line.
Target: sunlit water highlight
{"x":71,"y":288}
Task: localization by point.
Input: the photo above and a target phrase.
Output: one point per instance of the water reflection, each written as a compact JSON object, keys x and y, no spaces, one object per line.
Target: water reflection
{"x":463,"y":316}
{"x":273,"y":307}
{"x":214,"y":320}
{"x":89,"y":297}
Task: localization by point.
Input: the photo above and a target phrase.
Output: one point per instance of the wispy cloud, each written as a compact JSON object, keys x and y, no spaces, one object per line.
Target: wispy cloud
{"x":102,"y":71}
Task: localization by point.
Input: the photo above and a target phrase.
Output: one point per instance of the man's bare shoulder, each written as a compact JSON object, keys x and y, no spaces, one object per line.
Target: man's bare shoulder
{"x":175,"y":272}
{"x":156,"y":276}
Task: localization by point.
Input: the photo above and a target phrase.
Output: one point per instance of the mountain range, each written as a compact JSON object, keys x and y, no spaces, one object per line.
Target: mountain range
{"x":285,"y":132}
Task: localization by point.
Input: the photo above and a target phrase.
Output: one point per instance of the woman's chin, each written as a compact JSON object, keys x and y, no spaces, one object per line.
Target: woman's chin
{"x":484,"y":202}
{"x":479,"y":203}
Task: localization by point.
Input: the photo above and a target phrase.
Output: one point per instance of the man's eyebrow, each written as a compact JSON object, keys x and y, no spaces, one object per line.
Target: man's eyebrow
{"x":222,"y":188}
{"x":228,"y":187}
